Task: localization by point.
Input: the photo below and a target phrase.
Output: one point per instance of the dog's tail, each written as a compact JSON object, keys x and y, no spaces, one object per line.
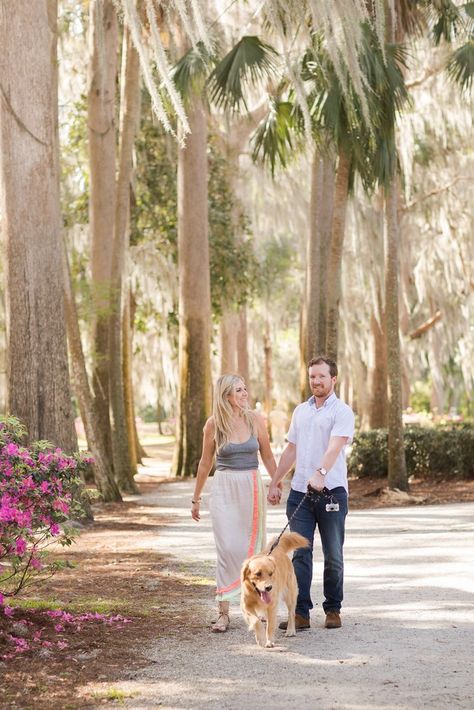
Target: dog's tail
{"x":290,"y":541}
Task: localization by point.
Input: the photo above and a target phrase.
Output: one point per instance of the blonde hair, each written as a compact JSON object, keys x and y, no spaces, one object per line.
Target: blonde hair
{"x":222,"y":410}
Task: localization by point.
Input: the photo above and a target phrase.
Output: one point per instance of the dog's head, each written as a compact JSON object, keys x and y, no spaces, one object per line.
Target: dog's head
{"x":258,"y":573}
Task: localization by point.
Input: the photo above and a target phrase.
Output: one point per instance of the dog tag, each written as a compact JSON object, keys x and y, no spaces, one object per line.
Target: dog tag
{"x":332,"y":507}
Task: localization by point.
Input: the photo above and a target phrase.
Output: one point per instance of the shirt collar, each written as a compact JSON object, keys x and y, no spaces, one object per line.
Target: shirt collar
{"x":312,"y":402}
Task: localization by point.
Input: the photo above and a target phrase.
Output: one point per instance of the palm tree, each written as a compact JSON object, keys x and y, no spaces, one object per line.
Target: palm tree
{"x":447,"y":18}
{"x":195,"y":72}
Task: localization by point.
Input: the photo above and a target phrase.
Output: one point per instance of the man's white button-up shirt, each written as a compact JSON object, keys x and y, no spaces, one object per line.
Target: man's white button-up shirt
{"x":310,"y":430}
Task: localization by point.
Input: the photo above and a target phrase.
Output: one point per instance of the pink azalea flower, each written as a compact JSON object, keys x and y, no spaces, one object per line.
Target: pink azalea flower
{"x":11,"y":449}
{"x":20,"y":546}
{"x":8,"y":611}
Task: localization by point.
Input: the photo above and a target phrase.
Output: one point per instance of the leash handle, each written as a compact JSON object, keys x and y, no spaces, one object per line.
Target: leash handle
{"x":306,"y":495}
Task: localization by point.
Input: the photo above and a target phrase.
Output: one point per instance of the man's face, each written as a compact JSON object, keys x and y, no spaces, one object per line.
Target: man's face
{"x":320,"y":381}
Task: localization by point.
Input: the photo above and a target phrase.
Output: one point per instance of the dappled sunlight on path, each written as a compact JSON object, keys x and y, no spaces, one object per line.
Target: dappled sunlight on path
{"x":408,"y":620}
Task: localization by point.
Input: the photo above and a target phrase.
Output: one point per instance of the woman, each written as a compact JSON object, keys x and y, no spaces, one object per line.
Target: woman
{"x":238,"y":505}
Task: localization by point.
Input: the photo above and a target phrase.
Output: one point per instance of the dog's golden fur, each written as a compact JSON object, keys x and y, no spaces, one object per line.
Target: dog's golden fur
{"x":265,"y":578}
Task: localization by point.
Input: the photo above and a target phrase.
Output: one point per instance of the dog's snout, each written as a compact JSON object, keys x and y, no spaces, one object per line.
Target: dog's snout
{"x":268,"y":588}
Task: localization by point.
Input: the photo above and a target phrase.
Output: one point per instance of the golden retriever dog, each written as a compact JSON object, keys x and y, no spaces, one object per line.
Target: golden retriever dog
{"x":265,"y":579}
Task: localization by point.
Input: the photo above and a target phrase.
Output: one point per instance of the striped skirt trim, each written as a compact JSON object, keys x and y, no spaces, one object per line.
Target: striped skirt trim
{"x":238,"y":512}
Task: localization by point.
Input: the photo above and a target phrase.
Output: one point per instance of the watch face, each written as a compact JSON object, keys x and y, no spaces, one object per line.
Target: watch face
{"x":323,"y":471}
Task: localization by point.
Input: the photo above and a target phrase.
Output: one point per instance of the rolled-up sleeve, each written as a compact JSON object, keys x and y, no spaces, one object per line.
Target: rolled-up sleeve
{"x":344,"y":423}
{"x":291,"y":435}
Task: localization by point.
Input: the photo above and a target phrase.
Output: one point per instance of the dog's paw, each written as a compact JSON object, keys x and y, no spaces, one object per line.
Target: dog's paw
{"x":290,"y":633}
{"x":269,"y":644}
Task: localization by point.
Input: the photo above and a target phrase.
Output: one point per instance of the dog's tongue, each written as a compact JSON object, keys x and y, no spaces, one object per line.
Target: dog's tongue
{"x":265,"y":597}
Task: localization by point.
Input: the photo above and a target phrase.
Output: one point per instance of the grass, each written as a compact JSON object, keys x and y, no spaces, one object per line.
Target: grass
{"x":112,"y":694}
{"x":86,"y":604}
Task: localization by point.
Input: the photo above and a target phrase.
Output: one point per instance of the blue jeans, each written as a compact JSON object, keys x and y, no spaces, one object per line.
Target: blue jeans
{"x":331,"y":531}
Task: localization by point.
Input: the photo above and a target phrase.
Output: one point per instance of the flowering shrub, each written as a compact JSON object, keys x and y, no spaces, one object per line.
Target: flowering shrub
{"x":38,"y":485}
{"x":25,"y":636}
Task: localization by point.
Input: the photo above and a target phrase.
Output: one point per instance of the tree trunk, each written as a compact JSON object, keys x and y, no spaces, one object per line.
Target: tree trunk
{"x":397,"y":472}
{"x":335,"y":254}
{"x":102,"y":468}
{"x":329,"y":176}
{"x":124,"y":467}
{"x":127,"y":378}
{"x":242,"y":348}
{"x":194,"y":398}
{"x":229,"y":328}
{"x":103,"y":45}
{"x":37,"y":364}
{"x":378,"y":375}
{"x":141,"y":453}
{"x":268,"y":369}
{"x":309,"y":335}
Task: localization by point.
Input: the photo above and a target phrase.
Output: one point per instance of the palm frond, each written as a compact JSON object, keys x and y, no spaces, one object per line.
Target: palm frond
{"x":461,"y":65}
{"x":191,"y":71}
{"x":249,"y":62}
{"x":273,"y":140}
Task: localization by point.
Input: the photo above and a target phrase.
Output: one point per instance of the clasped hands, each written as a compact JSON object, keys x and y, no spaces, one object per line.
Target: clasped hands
{"x":317,"y":481}
{"x":274,"y":493}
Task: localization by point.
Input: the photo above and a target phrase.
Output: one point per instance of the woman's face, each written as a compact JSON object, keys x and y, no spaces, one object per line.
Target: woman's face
{"x":239,"y":397}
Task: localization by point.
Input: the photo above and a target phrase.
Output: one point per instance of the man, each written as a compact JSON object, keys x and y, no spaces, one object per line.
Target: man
{"x":319,"y":431}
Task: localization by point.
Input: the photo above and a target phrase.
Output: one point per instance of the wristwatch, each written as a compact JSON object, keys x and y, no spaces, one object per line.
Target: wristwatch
{"x":322,"y":471}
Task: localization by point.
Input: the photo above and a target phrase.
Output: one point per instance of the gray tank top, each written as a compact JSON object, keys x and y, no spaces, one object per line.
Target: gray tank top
{"x":240,"y":457}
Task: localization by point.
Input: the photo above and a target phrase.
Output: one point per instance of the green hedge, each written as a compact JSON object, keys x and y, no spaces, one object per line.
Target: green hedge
{"x":443,"y":451}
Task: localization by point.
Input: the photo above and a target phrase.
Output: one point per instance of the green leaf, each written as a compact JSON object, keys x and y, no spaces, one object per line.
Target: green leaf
{"x":461,"y":65}
{"x":248,"y":63}
{"x":272,"y":140}
{"x":191,"y":71}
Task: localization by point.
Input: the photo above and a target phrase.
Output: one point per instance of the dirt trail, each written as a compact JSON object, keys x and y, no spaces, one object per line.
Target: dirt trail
{"x":408,"y":618}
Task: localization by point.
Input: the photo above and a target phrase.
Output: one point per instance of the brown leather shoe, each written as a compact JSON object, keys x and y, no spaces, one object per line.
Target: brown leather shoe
{"x":301,"y":623}
{"x":333,"y":620}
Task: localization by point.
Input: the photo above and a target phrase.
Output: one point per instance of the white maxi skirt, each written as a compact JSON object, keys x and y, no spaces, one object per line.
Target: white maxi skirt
{"x":238,"y":514}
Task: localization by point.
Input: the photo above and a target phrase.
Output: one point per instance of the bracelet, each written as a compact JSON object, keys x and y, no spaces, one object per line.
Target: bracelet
{"x":196,"y":502}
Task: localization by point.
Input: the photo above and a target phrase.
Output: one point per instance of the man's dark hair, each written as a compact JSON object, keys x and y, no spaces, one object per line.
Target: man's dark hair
{"x":319,"y":361}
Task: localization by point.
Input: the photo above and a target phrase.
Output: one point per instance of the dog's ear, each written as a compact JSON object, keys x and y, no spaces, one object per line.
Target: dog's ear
{"x":244,"y":572}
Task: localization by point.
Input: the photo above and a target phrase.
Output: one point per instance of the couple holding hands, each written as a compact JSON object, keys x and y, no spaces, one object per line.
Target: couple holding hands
{"x":319,"y":431}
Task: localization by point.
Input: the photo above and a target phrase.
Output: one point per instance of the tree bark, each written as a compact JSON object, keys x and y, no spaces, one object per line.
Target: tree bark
{"x":140,"y":451}
{"x":102,"y":468}
{"x":397,"y":471}
{"x":242,"y":347}
{"x":329,"y":176}
{"x":309,"y":335}
{"x":268,"y":369}
{"x":229,"y":328}
{"x":194,"y":398}
{"x":127,"y":378}
{"x":103,"y":46}
{"x":378,"y":375}
{"x":37,"y":364}
{"x":341,"y":192}
{"x":124,"y":467}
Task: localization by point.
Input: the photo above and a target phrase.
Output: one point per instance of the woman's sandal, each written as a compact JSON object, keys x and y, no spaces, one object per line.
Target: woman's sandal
{"x":222,"y":624}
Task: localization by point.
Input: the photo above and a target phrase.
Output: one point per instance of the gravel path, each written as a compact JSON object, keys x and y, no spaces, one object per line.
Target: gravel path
{"x":407,"y":639}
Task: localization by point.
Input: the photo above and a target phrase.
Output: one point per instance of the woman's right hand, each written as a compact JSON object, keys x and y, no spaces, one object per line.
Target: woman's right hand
{"x":195,"y":511}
